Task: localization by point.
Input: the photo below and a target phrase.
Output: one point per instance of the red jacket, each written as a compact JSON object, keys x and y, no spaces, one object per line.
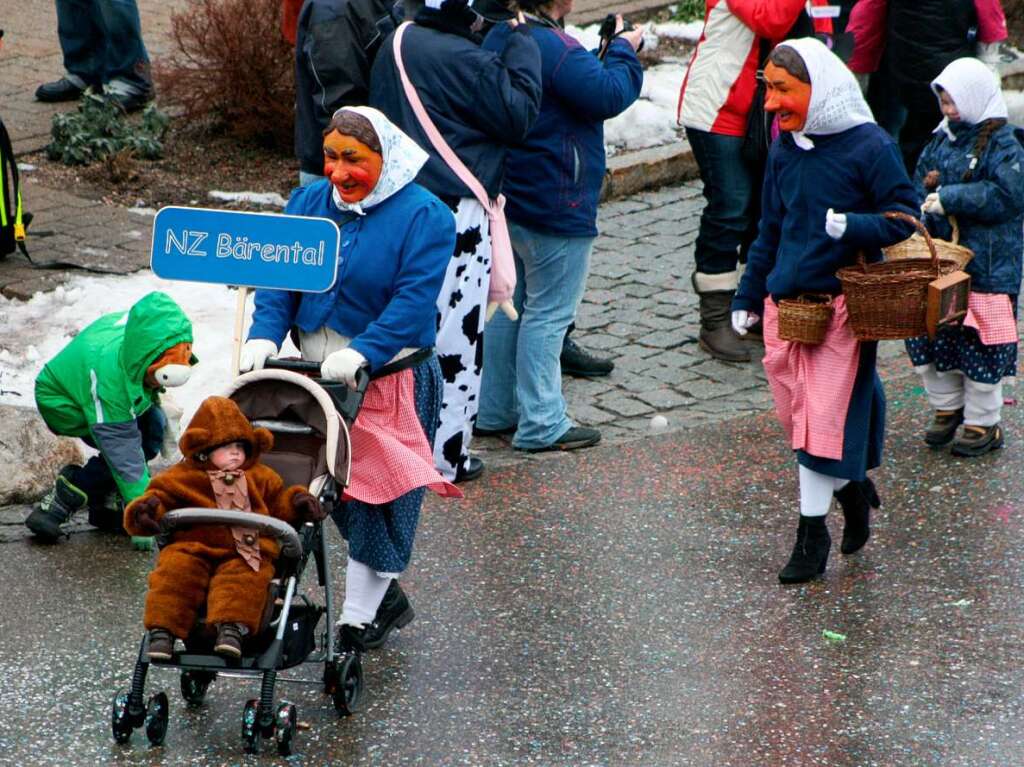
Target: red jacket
{"x":720,"y":82}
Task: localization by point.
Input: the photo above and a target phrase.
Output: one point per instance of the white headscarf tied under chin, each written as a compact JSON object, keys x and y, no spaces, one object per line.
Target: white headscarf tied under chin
{"x":402,"y":160}
{"x":836,"y":101}
{"x":975,"y":91}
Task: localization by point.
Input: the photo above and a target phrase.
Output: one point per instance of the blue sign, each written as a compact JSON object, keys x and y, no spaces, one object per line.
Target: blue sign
{"x":255,"y":250}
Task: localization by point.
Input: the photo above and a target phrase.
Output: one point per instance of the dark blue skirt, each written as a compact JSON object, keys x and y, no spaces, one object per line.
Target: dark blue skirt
{"x":961,"y":349}
{"x":864,"y":432}
{"x":381,"y":537}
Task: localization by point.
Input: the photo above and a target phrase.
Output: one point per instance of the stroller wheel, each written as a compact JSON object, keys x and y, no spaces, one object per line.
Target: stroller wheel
{"x":348,"y":693}
{"x":157,"y":715}
{"x":120,"y":721}
{"x":285,"y":725}
{"x":251,"y":726}
{"x":194,"y":685}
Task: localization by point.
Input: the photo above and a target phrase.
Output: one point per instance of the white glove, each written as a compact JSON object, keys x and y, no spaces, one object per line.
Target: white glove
{"x":505,"y":306}
{"x":342,"y":366}
{"x":932,"y":204}
{"x":835,"y":224}
{"x":255,"y":353}
{"x":173,"y":413}
{"x":742,"y":319}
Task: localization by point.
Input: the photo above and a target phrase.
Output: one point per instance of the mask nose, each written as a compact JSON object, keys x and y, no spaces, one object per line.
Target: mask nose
{"x":173,"y":375}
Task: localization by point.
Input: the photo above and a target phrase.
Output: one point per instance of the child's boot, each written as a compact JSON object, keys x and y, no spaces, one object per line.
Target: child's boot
{"x":161,"y":644}
{"x":857,"y":499}
{"x":56,"y":508}
{"x":978,"y":440}
{"x":943,"y":427}
{"x":810,"y":552}
{"x":229,"y":640}
{"x":108,"y":515}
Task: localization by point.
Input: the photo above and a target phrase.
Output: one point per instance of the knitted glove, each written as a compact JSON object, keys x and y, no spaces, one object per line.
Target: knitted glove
{"x":308,"y":508}
{"x":144,"y":514}
{"x":742,"y":320}
{"x":255,"y":353}
{"x":342,"y":366}
{"x":835,"y":224}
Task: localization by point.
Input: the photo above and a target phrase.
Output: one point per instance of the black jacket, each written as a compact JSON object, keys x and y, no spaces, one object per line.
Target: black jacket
{"x":926,"y":35}
{"x":335,"y":45}
{"x":480,"y":101}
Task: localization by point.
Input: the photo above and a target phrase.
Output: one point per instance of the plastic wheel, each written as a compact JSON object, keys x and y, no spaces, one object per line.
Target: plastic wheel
{"x":348,"y":693}
{"x":250,"y":727}
{"x":285,"y":726}
{"x":157,"y":715}
{"x":194,"y":685}
{"x":120,"y":722}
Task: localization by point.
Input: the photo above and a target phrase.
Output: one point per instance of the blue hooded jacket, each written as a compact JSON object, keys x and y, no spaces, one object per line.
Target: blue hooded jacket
{"x":989,"y":208}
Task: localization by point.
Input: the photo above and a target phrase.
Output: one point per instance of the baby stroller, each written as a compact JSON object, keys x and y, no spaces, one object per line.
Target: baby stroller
{"x":311,"y":448}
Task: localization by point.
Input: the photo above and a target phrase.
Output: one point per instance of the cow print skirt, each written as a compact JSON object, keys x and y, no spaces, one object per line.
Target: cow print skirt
{"x":461,"y":307}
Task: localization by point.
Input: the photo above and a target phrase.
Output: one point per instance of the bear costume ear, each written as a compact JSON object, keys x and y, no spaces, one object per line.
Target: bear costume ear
{"x":193,"y":440}
{"x":263,"y":440}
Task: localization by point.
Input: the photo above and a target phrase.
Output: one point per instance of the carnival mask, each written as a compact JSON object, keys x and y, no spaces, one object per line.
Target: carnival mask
{"x":786,"y":96}
{"x":352,"y":166}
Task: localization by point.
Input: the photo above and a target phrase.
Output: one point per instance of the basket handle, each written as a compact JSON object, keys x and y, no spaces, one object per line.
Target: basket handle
{"x":956,"y":230}
{"x":901,"y":216}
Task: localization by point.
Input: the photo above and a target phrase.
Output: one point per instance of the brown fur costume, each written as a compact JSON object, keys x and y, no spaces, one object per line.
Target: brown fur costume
{"x":202,"y":563}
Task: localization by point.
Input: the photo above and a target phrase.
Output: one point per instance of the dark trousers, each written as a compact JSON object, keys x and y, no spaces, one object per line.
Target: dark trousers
{"x":728,"y":220}
{"x":102,"y":41}
{"x":923,"y":114}
{"x":95,"y":479}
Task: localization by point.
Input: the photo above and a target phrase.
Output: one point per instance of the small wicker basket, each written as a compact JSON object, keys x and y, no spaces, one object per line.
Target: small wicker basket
{"x":805,"y":319}
{"x":888,"y":300}
{"x":916,"y":247}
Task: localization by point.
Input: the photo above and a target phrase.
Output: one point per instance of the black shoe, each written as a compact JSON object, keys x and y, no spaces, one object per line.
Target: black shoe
{"x":577,"y":361}
{"x":229,"y":640}
{"x":574,"y":439}
{"x":161,"y":645}
{"x":493,"y":432}
{"x":470,"y":470}
{"x":857,"y":499}
{"x":109,"y":515}
{"x":59,"y":90}
{"x":130,"y":102}
{"x":56,"y":508}
{"x":943,"y":427}
{"x":810,"y":552}
{"x":978,"y":440}
{"x":394,"y":612}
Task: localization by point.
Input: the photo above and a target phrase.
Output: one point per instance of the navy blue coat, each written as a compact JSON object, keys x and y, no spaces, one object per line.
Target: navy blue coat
{"x":390,"y":271}
{"x":858,"y":172}
{"x":479,"y":100}
{"x":989,"y":209}
{"x":553,"y":178}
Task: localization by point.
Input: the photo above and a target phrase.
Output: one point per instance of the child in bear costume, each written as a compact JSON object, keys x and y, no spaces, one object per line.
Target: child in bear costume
{"x":228,"y":568}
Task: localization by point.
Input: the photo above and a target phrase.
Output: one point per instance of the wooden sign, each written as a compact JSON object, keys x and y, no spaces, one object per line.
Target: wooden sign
{"x":947,"y":301}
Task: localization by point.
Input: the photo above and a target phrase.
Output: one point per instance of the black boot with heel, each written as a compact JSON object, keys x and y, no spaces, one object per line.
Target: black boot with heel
{"x":857,"y":499}
{"x":810,"y":552}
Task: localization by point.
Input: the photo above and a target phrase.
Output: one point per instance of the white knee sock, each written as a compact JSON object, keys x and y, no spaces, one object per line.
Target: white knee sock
{"x":364,"y":591}
{"x":945,"y":390}
{"x":816,"y":492}
{"x":983,"y":403}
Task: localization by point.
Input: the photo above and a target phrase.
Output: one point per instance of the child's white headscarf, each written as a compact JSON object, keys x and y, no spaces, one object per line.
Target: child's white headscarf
{"x":974,"y":89}
{"x":837,"y":103}
{"x":402,"y":157}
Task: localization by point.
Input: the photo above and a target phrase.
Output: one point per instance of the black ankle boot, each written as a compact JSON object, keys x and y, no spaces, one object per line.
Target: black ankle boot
{"x":857,"y":499}
{"x":810,"y":552}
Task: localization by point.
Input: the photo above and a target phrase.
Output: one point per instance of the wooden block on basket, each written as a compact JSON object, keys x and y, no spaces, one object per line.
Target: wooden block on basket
{"x":947,"y":301}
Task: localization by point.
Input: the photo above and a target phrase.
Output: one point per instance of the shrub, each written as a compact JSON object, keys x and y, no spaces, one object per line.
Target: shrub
{"x":231,"y":69}
{"x":689,"y":10}
{"x":99,"y":129}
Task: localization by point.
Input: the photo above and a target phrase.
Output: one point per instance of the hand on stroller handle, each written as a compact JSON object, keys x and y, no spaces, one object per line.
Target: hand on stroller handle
{"x":285,"y":534}
{"x":312,"y":369}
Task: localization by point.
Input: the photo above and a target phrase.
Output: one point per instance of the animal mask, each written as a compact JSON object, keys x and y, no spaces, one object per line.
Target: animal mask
{"x":352,"y":166}
{"x":172,"y":368}
{"x":786,"y":96}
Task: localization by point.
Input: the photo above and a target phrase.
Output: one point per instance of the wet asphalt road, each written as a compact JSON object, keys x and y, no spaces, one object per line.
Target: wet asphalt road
{"x":615,"y":607}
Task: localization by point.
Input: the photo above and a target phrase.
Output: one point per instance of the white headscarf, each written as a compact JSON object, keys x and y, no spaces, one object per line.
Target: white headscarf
{"x":836,"y":101}
{"x":974,"y":89}
{"x":402,"y":157}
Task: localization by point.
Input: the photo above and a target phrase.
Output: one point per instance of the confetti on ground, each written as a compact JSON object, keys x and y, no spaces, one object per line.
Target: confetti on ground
{"x":960,"y":603}
{"x":833,"y":636}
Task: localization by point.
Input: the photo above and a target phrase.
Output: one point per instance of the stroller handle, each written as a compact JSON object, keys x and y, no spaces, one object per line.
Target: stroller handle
{"x":305,"y":367}
{"x":285,"y":534}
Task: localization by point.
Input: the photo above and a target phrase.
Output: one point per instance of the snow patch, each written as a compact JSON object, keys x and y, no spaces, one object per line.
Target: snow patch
{"x":1015,"y":106}
{"x":687,"y":31}
{"x":268,"y":199}
{"x":26,"y":167}
{"x":143,"y":211}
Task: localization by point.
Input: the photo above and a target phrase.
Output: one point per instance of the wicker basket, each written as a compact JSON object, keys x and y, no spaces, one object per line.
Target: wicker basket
{"x":888,"y":300}
{"x":805,"y":319}
{"x":916,"y":247}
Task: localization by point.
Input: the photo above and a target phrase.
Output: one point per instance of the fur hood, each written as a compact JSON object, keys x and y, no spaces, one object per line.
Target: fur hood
{"x":217,"y":422}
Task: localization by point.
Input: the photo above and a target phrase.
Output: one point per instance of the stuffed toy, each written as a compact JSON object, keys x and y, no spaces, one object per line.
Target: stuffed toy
{"x":107,"y":388}
{"x":227,"y":568}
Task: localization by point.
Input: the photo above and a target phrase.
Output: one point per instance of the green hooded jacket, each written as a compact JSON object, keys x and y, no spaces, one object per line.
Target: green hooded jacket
{"x":94,"y":387}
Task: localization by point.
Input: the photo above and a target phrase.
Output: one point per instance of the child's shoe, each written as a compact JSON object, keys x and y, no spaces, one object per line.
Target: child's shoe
{"x":943,"y":427}
{"x":394,"y":612}
{"x":857,"y":499}
{"x":56,"y":508}
{"x":229,"y":640}
{"x":109,"y":514}
{"x":161,"y":645}
{"x":978,"y":440}
{"x":810,"y":552}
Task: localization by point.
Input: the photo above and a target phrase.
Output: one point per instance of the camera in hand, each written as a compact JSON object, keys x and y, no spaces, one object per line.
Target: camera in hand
{"x":607,"y":33}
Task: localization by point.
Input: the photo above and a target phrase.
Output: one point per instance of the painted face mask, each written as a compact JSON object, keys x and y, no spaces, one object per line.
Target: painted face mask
{"x":787,"y":96}
{"x":351,"y":165}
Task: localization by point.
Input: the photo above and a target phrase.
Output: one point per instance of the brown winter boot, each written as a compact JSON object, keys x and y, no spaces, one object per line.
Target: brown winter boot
{"x":717,"y":337}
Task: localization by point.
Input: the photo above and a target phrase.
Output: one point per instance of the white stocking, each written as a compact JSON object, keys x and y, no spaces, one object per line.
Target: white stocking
{"x":364,"y":591}
{"x":983,"y":403}
{"x":945,"y":390}
{"x":816,"y":492}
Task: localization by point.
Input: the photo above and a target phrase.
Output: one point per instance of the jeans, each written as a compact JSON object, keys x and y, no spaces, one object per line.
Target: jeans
{"x":95,"y":480}
{"x":727,"y":223}
{"x":102,"y":43}
{"x":522,"y":376}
